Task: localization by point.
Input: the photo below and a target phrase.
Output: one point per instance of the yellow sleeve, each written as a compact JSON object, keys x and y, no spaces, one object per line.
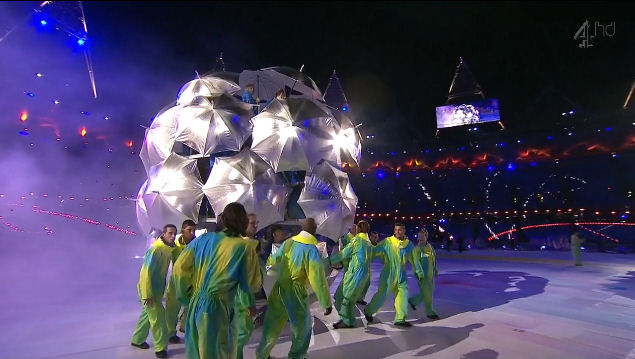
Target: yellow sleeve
{"x":183,"y":274}
{"x":416,"y":264}
{"x":252,"y":281}
{"x":344,"y":254}
{"x":276,"y":258}
{"x":317,"y":278}
{"x":150,"y":270}
{"x":379,"y":251}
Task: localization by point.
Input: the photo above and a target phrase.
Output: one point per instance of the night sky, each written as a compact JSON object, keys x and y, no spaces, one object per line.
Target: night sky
{"x":395,"y":61}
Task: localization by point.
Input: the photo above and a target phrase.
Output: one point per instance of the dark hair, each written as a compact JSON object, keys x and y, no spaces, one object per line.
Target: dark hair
{"x":279,"y":92}
{"x":219,"y":223}
{"x":363,"y":226}
{"x":235,"y":219}
{"x":309,"y":225}
{"x":276,"y":228}
{"x":165,"y":228}
{"x":188,"y":223}
{"x":400,"y":224}
{"x":250,"y":85}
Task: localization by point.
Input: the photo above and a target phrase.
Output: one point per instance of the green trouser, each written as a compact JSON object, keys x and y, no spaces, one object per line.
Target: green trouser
{"x":400,"y":290}
{"x":577,"y":255}
{"x":426,"y":293}
{"x":340,"y":289}
{"x":346,"y":297}
{"x":286,"y":302}
{"x":152,"y":319}
{"x":339,"y":293}
{"x":362,"y":296}
{"x":244,"y":327}
{"x":172,"y":308}
{"x":208,"y":332}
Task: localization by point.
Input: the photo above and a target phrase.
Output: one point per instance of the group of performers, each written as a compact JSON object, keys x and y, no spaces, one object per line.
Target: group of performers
{"x":215,"y":276}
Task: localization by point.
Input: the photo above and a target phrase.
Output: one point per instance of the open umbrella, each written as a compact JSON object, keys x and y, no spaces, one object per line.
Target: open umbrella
{"x":269,"y":80}
{"x":159,"y":139}
{"x":247,"y":179}
{"x":347,"y":147}
{"x":172,"y":193}
{"x":216,"y":125}
{"x":206,"y":86}
{"x":293,"y":134}
{"x":328,"y":198}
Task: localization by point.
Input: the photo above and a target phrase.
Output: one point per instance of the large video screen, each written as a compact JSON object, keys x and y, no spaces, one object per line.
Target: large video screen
{"x":470,"y":113}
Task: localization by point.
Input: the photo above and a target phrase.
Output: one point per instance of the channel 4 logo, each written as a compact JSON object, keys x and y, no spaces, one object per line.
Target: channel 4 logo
{"x":589,"y":32}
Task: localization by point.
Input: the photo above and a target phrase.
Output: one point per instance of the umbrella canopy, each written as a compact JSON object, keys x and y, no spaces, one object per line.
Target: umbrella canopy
{"x":328,"y":198}
{"x":207,"y":86}
{"x":293,"y":134}
{"x":216,"y":125}
{"x":159,"y":139}
{"x":172,"y":193}
{"x":247,"y":179}
{"x":269,"y":80}
{"x":347,"y":146}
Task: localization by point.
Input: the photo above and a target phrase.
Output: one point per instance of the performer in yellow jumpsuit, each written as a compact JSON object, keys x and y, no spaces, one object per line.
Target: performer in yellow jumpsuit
{"x":207,"y":274}
{"x":358,"y":253}
{"x":395,"y":251}
{"x":425,"y":254}
{"x":245,"y":303}
{"x":299,"y":262}
{"x":576,"y":246}
{"x":172,"y":305}
{"x":151,"y":288}
{"x":344,"y":241}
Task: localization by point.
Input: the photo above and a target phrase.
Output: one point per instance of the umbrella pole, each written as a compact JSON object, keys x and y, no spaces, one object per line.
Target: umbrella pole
{"x":296,"y":80}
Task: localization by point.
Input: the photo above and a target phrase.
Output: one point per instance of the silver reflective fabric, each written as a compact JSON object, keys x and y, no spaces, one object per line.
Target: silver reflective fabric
{"x":329,"y":198}
{"x":205,"y":87}
{"x":172,"y":193}
{"x":214,"y":125}
{"x":247,"y":179}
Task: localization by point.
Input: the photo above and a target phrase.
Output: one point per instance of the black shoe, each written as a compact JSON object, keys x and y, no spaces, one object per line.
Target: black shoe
{"x":143,"y":345}
{"x":174,"y":339}
{"x":342,"y":325}
{"x":161,"y":354}
{"x":433,"y":316}
{"x":369,"y":318}
{"x":412,"y":305}
{"x":403,"y":324}
{"x":362,"y":302}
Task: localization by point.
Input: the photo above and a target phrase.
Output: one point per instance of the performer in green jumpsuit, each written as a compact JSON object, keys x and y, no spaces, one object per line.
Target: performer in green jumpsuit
{"x":207,"y":274}
{"x":172,"y":305}
{"x":576,"y":246}
{"x":344,"y":241}
{"x":245,"y":303}
{"x":299,"y":262}
{"x":395,"y":251}
{"x":358,"y":252}
{"x":425,"y":254}
{"x":151,"y":288}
